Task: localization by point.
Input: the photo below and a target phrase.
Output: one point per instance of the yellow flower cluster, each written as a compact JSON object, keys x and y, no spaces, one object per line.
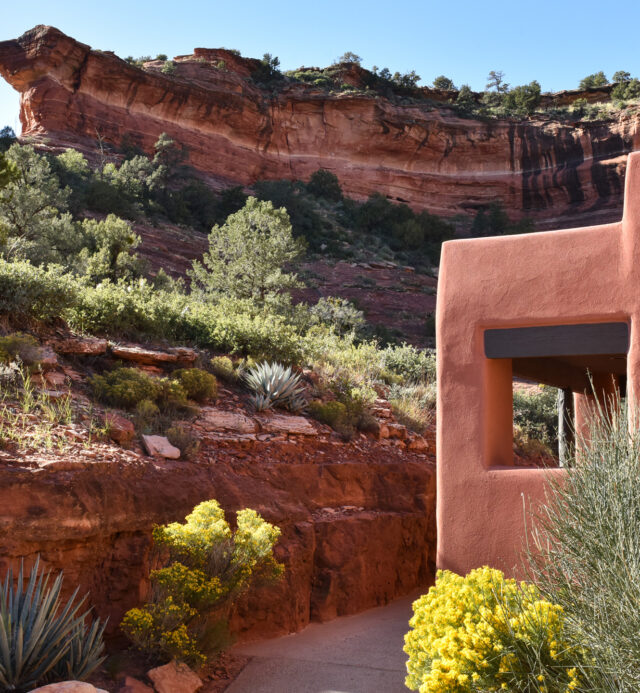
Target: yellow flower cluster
{"x":208,"y":565}
{"x":189,"y":585}
{"x":204,"y":528}
{"x":485,"y":632}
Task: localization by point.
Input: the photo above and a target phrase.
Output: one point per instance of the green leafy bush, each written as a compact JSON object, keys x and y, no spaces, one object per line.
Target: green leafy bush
{"x":171,"y":396}
{"x":33,"y":212}
{"x":357,"y":401}
{"x":248,"y":253}
{"x":332,"y":413}
{"x":414,"y":405}
{"x":197,"y":384}
{"x":339,"y":313}
{"x":598,"y":79}
{"x":43,"y":640}
{"x":413,"y":365}
{"x":184,"y":440}
{"x":146,"y":415}
{"x":22,"y":346}
{"x":222,"y":367}
{"x":523,"y":99}
{"x":535,"y":417}
{"x":626,"y":90}
{"x":325,"y":184}
{"x":125,"y":387}
{"x":32,"y":292}
{"x":207,"y":566}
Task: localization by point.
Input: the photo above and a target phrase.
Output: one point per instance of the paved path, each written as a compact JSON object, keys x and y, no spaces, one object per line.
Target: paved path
{"x":353,"y":654}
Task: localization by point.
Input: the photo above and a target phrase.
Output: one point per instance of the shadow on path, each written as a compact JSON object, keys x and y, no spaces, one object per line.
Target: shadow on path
{"x":353,"y":654}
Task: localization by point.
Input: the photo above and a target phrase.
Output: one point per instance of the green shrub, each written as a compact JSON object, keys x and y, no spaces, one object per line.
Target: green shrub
{"x":233,"y":326}
{"x":207,"y":566}
{"x":184,"y":440}
{"x":332,"y":413}
{"x":125,"y":387}
{"x":626,"y":90}
{"x":413,"y":365}
{"x":535,"y":416}
{"x":357,"y":401}
{"x":20,"y":345}
{"x":339,"y":313}
{"x":32,"y":292}
{"x":325,"y":184}
{"x":414,"y":406}
{"x":146,"y":415}
{"x":198,"y":384}
{"x":42,"y":639}
{"x":247,"y":255}
{"x":171,"y":394}
{"x":222,"y":366}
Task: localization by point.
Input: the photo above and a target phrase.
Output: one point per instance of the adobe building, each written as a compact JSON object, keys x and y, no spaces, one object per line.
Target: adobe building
{"x":552,"y":307}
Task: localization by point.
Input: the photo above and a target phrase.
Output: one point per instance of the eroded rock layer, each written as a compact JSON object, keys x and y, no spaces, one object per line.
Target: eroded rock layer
{"x":557,"y":173}
{"x":357,"y":529}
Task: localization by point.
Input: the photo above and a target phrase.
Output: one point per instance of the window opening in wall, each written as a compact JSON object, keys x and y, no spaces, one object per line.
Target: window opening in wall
{"x":554,"y":372}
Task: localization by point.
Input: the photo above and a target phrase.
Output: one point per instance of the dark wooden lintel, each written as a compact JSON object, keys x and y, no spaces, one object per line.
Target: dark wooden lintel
{"x":557,"y":340}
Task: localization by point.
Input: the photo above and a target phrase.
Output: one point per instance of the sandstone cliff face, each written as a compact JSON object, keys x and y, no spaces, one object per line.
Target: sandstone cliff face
{"x":559,"y":174}
{"x":355,"y":534}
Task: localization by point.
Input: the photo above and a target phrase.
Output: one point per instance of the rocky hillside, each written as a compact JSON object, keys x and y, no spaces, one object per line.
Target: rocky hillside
{"x":82,"y":487}
{"x":414,"y":150}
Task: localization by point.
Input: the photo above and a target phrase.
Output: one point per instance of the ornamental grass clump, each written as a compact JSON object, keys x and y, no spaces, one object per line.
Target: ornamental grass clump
{"x":483,"y":633}
{"x":205,"y":566}
{"x":585,"y":554}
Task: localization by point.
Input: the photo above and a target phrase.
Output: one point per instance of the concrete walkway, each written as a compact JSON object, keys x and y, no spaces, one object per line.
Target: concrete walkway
{"x":353,"y":654}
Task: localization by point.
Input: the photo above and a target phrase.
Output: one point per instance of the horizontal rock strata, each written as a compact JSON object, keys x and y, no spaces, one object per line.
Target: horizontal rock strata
{"x":557,"y":173}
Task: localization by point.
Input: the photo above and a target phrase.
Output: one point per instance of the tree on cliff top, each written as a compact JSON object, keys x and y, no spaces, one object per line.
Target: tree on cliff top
{"x":523,"y":99}
{"x":248,"y":253}
{"x":495,"y":80}
{"x":598,"y":79}
{"x":349,"y":57}
{"x":621,"y":76}
{"x":443,"y":82}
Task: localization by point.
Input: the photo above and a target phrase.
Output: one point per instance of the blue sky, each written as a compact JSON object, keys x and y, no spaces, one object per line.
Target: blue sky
{"x":556,"y":43}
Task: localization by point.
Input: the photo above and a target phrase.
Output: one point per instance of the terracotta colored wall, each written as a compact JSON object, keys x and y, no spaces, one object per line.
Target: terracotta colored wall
{"x":560,"y":277}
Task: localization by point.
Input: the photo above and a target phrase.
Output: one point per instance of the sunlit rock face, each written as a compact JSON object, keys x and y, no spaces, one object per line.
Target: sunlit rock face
{"x":558,"y":173}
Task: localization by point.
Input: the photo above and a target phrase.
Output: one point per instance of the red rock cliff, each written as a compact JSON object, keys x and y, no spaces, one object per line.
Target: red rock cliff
{"x":557,"y":173}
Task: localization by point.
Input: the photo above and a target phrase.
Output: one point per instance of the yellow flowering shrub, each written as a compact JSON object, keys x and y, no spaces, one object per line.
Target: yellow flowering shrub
{"x":484,"y":633}
{"x":207,"y":565}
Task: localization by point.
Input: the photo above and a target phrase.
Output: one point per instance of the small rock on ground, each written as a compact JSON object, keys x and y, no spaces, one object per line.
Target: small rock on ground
{"x":69,"y":687}
{"x":160,"y":445}
{"x":175,"y":678}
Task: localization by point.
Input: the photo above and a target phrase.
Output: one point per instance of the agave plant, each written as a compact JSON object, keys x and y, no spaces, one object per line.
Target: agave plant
{"x":41,"y":640}
{"x":275,"y":386}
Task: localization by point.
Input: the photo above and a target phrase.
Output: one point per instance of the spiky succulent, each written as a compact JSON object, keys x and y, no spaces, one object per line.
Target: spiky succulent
{"x":275,"y":386}
{"x":40,"y":639}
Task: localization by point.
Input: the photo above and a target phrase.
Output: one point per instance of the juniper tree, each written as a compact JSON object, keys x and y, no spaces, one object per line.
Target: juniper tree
{"x":34,"y":220}
{"x":248,"y":254}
